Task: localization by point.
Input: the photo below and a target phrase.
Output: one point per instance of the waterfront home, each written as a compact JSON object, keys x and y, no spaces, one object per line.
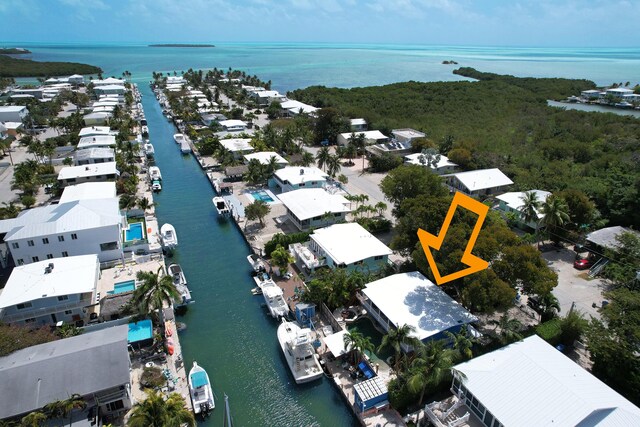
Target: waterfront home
{"x":631,"y":98}
{"x":13,"y":113}
{"x":176,"y":80}
{"x":406,"y":135}
{"x":12,"y":128}
{"x":94,"y":155}
{"x":95,"y":131}
{"x":443,"y":166}
{"x":514,"y":201}
{"x":36,"y":93}
{"x":482,"y":182}
{"x":412,"y":299}
{"x":347,"y":246}
{"x":88,"y":191}
{"x":291,"y":178}
{"x":618,"y":92}
{"x":50,"y":291}
{"x":104,"y":140}
{"x":266,"y":97}
{"x":76,"y":79}
{"x":591,"y":94}
{"x":96,"y":172}
{"x":67,"y":229}
{"x":264,"y":157}
{"x":96,"y":119}
{"x":530,"y":384}
{"x":292,"y":108}
{"x":314,"y":207}
{"x":208,"y":118}
{"x":110,"y":90}
{"x":94,"y":365}
{"x":108,"y":82}
{"x":233,"y":125}
{"x":237,"y":146}
{"x":371,"y":137}
{"x":358,"y":125}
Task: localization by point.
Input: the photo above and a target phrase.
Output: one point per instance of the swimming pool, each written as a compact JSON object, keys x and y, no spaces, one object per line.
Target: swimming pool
{"x":262,"y":195}
{"x":365,"y":326}
{"x":134,"y":232}
{"x":121,"y":287}
{"x":140,"y":331}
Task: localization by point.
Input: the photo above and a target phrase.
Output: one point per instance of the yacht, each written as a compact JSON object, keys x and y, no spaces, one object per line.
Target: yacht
{"x":149,"y":150}
{"x":178,"y":138}
{"x":200,"y":391}
{"x":221,"y":206}
{"x":169,"y":237}
{"x":295,"y":343}
{"x":154,"y":173}
{"x":274,"y":297}
{"x":180,"y":283}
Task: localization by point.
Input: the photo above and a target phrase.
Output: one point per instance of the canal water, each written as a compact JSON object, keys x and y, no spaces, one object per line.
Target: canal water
{"x":228,"y":330}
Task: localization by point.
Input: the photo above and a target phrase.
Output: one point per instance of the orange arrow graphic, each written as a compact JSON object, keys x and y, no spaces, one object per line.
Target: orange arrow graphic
{"x":428,"y":240}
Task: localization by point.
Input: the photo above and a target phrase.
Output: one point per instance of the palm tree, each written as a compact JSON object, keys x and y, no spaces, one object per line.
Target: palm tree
{"x":33,"y":419}
{"x":509,"y":329}
{"x":54,"y":410}
{"x":154,"y":291}
{"x":154,"y":411}
{"x":333,"y":165}
{"x":462,"y":343}
{"x":358,"y":343}
{"x":431,"y":365}
{"x":549,"y":305}
{"x":380,"y":207}
{"x":395,"y":338}
{"x":556,"y":214}
{"x":144,"y":203}
{"x":307,"y":159}
{"x":529,"y":210}
{"x":75,"y":401}
{"x":322,"y":157}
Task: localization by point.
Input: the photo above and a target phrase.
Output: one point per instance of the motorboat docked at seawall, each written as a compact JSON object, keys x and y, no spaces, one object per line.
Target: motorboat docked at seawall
{"x":185,"y":148}
{"x":274,"y":297}
{"x":256,"y":263}
{"x":149,"y":150}
{"x":154,"y":173}
{"x":179,"y":138}
{"x":180,"y":282}
{"x":156,"y":186}
{"x":169,"y":236}
{"x":221,"y":206}
{"x":295,"y":343}
{"x":200,"y":391}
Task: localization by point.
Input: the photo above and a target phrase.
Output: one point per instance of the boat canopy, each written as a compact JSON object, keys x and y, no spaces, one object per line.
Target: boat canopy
{"x":199,"y":379}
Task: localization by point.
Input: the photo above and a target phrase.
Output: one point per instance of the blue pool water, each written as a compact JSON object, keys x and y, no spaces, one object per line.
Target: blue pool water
{"x":262,"y":195}
{"x":121,"y":287}
{"x":134,"y":232}
{"x":140,"y":331}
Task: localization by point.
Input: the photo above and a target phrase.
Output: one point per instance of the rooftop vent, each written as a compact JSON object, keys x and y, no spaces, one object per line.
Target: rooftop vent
{"x":301,"y":171}
{"x":47,"y":270}
{"x":51,"y":265}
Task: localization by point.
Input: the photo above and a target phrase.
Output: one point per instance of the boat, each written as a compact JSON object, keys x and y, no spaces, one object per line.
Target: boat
{"x":156,"y":186}
{"x":200,"y":391}
{"x":256,"y":263}
{"x":256,"y":291}
{"x":178,"y":138}
{"x":180,"y":282}
{"x":169,"y":236}
{"x":185,"y":148}
{"x":296,"y":346}
{"x":154,"y":173}
{"x":274,"y":297}
{"x":149,"y":150}
{"x":145,"y":130}
{"x":221,"y":206}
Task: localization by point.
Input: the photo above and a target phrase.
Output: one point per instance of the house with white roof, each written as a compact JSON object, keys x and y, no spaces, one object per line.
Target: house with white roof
{"x":88,"y":191}
{"x":347,"y":246}
{"x":76,"y":79}
{"x":103,"y":140}
{"x":591,"y":94}
{"x":108,"y":81}
{"x":95,"y":365}
{"x":13,"y":113}
{"x":370,"y":137}
{"x":406,"y":135}
{"x":480,"y":182}
{"x":34,"y":92}
{"x":412,"y":299}
{"x":514,"y":201}
{"x":266,"y":97}
{"x":291,"y":108}
{"x":97,"y":119}
{"x":110,"y":90}
{"x":233,"y":125}
{"x":238,"y":146}
{"x":79,"y":227}
{"x":50,"y":291}
{"x":95,"y":131}
{"x":264,"y":157}
{"x":93,"y":155}
{"x":314,"y":207}
{"x":96,"y":172}
{"x":292,"y":178}
{"x":175,"y":80}
{"x":358,"y":125}
{"x":618,"y":92}
{"x":531,"y":384}
{"x":443,"y":166}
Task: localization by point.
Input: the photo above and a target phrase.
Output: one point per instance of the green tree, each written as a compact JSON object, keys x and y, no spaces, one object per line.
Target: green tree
{"x":531,"y":205}
{"x":33,"y":419}
{"x":462,"y":343}
{"x":410,"y":181}
{"x":624,"y":271}
{"x":257,"y":211}
{"x":154,"y":291}
{"x":486,"y":292}
{"x":322,"y":157}
{"x":333,"y":165}
{"x":307,"y":159}
{"x":396,"y":338}
{"x":524,"y":266}
{"x":144,"y":203}
{"x":281,"y":258}
{"x":273,"y":110}
{"x":431,"y":365}
{"x":573,"y":326}
{"x":155,"y":411}
{"x":556,"y":214}
{"x":510,"y":329}
{"x":328,"y":124}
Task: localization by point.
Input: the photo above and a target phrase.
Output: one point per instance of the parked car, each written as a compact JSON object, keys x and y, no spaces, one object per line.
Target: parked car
{"x":584,"y":263}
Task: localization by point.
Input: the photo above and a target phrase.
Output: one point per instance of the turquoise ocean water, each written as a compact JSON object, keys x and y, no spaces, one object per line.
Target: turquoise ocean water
{"x":228,"y":331}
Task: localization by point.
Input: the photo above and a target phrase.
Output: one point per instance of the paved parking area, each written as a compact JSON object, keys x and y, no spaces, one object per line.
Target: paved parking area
{"x":574,"y":286}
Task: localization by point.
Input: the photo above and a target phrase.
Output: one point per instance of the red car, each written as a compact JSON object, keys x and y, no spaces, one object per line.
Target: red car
{"x":583,"y":263}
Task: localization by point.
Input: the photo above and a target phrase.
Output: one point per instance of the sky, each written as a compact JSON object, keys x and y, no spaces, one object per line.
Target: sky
{"x":538,"y":23}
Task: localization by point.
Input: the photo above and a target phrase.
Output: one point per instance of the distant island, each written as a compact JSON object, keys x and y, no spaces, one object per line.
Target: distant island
{"x":14,"y":67}
{"x":449,"y":62}
{"x":181,"y":45}
{"x":13,"y":51}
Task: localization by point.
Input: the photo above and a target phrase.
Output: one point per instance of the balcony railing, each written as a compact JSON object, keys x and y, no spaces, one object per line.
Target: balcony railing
{"x":44,"y":311}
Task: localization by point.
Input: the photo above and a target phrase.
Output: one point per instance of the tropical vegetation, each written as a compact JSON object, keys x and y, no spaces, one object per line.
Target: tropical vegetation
{"x":156,"y":411}
{"x":16,"y":67}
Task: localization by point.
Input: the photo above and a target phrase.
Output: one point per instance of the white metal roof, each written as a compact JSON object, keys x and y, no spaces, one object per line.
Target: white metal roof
{"x":373,"y":135}
{"x":412,"y":299}
{"x":620,"y":90}
{"x":12,"y":108}
{"x":349,"y":243}
{"x":268,"y":94}
{"x":515,"y":201}
{"x":110,"y":87}
{"x":62,"y":218}
{"x":358,"y":122}
{"x":309,"y":203}
{"x":265,"y":156}
{"x":83,"y":171}
{"x":96,"y":141}
{"x":607,"y":237}
{"x":300,"y":174}
{"x":94,"y":130}
{"x":232,"y":123}
{"x":335,"y":343}
{"x":88,"y":191}
{"x":97,"y":116}
{"x":414,"y":159}
{"x":530,"y":383}
{"x":237,"y":144}
{"x":108,"y":81}
{"x":70,"y":275}
{"x":483,"y":178}
{"x":408,"y":133}
{"x":95,"y":153}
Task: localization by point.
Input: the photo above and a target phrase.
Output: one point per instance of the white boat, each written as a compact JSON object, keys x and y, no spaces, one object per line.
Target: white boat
{"x":149,"y":150}
{"x":200,"y":391}
{"x":274,"y":297}
{"x":156,"y":186}
{"x":180,"y":282}
{"x":145,"y":130}
{"x":178,"y":138}
{"x":295,"y":343}
{"x":256,"y":263}
{"x":169,"y":236}
{"x":185,"y":148}
{"x":221,"y":206}
{"x":154,"y":173}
